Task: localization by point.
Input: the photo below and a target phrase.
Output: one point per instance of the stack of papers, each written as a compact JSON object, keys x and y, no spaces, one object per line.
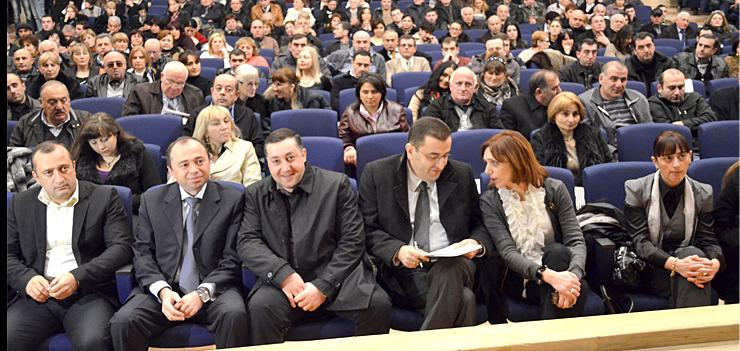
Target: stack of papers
{"x":451,"y":251}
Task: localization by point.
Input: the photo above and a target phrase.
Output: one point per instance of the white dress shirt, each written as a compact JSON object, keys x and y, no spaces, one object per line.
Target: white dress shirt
{"x":60,"y":257}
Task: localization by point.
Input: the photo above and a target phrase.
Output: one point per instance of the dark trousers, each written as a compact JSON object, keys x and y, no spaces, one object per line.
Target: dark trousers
{"x":556,"y":257}
{"x":442,"y":291}
{"x":141,"y":317}
{"x":679,"y":291}
{"x":84,"y":319}
{"x":271,"y":316}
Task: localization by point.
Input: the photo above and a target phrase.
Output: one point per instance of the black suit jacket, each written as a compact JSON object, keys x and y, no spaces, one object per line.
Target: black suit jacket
{"x":101,"y":239}
{"x":146,"y":98}
{"x":160,"y":236}
{"x":523,"y":113}
{"x":672,"y":33}
{"x":244,"y":119}
{"x":320,"y":238}
{"x":385,"y":208}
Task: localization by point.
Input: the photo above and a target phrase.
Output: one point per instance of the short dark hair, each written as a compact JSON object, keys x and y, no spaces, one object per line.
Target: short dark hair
{"x":182,"y":140}
{"x":643,"y":35}
{"x":360,"y":53}
{"x":539,"y":81}
{"x":427,"y":27}
{"x":236,"y":52}
{"x":448,"y":40}
{"x":373,"y":79}
{"x":298,"y":36}
{"x":585,"y":41}
{"x":281,"y":134}
{"x":668,"y":142}
{"x":428,"y":126}
{"x":47,"y":147}
{"x":712,"y":37}
{"x":407,"y":37}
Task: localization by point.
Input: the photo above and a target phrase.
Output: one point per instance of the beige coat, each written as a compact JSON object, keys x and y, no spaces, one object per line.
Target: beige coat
{"x":418,"y":64}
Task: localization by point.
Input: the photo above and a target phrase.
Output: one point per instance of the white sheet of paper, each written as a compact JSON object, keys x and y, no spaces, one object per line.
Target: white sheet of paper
{"x":451,"y":251}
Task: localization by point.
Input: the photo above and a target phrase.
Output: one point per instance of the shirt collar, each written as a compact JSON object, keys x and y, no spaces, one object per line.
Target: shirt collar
{"x":375,"y":115}
{"x":412,"y":180}
{"x":184,"y":194}
{"x":43,"y":120}
{"x":71,"y":202}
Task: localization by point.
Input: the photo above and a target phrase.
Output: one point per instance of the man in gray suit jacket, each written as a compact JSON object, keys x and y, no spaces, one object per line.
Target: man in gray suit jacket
{"x":399,"y":236}
{"x":184,"y":257}
{"x":170,"y":93}
{"x":302,"y":236}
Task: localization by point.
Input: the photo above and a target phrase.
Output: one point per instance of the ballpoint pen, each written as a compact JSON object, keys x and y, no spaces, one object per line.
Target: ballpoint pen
{"x":421,"y":265}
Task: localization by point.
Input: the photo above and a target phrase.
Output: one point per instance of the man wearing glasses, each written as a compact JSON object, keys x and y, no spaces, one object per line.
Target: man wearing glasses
{"x":169,"y":95}
{"x":116,"y":82}
{"x":418,"y":202}
{"x":406,"y":61}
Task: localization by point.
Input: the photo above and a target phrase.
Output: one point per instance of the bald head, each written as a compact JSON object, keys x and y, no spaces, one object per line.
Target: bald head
{"x":153,"y":49}
{"x":22,"y":60}
{"x":361,"y":41}
{"x":463,"y":84}
{"x":114,"y":64}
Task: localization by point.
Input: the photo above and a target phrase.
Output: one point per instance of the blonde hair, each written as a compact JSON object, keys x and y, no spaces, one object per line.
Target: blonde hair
{"x":249,"y":41}
{"x":537,"y":36}
{"x":210,"y":43}
{"x":205,"y":117}
{"x":50,"y":56}
{"x":562,"y":102}
{"x":314,"y":72}
{"x":77,"y":47}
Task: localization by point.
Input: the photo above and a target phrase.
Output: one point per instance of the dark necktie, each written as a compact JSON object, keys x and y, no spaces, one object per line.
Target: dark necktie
{"x":680,"y":35}
{"x":189,"y":271}
{"x":421,"y":218}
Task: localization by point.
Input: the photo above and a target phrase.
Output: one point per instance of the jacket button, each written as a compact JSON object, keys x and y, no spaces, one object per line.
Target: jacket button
{"x":269,"y":275}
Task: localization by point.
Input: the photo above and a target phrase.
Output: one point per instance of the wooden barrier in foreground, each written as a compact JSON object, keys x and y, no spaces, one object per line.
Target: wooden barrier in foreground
{"x":609,"y":332}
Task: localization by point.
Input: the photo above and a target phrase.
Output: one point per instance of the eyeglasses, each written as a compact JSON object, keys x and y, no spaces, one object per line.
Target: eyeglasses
{"x":114,"y":64}
{"x":175,"y":84}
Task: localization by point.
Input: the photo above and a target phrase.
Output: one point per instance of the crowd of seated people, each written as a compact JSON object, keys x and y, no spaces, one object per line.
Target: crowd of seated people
{"x":224,"y":68}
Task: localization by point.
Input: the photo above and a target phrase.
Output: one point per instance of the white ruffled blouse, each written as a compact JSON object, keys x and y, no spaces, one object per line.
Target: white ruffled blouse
{"x":529,"y":223}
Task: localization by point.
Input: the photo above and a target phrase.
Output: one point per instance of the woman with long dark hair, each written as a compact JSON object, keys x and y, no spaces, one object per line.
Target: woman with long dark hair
{"x":105,"y":154}
{"x":435,"y":88}
{"x":621,"y":48}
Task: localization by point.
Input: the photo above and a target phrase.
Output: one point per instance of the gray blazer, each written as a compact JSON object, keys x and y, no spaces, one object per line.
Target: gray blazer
{"x":564,"y":222}
{"x":636,"y":202}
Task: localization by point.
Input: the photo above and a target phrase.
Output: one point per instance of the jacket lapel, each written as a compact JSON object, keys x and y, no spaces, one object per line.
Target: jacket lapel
{"x":400,"y":188}
{"x":39,"y":210}
{"x":173,"y":211}
{"x":207,"y":210}
{"x":445,"y":187}
{"x":80,"y":212}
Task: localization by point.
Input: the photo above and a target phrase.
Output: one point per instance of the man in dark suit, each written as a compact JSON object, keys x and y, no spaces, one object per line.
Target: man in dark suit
{"x":656,"y":27}
{"x":65,"y":241}
{"x":184,"y":257}
{"x":170,"y":95}
{"x":525,"y":113}
{"x":680,"y":29}
{"x":302,"y":237}
{"x":416,"y":203}
{"x":224,"y":93}
{"x":361,"y":62}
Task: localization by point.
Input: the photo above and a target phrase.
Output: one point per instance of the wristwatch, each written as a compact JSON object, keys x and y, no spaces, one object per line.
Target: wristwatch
{"x":539,"y":272}
{"x":204,"y":294}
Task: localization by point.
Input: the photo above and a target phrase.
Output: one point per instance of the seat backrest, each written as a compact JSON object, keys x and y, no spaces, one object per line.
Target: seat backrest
{"x":307,"y":122}
{"x":605,"y":182}
{"x":635,"y":142}
{"x":402,"y":80}
{"x":565,"y":176}
{"x":674,"y":43}
{"x":428,"y":47}
{"x":325,"y":152}
{"x":159,"y":130}
{"x":158,"y":156}
{"x":474,"y":34}
{"x":718,"y":139}
{"x":667,"y":51}
{"x":524,"y":76}
{"x":268,"y":54}
{"x":407,"y":95}
{"x":263,"y":86}
{"x":109,"y":105}
{"x":376,"y":146}
{"x":212,"y":62}
{"x":231,"y":40}
{"x":604,"y":59}
{"x":710,"y":171}
{"x":466,"y":145}
{"x":575,"y":88}
{"x":717,"y":84}
{"x":208,"y":72}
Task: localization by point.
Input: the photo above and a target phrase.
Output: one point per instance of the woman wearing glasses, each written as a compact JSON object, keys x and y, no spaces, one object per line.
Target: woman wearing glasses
{"x":106,"y":154}
{"x":669,"y":217}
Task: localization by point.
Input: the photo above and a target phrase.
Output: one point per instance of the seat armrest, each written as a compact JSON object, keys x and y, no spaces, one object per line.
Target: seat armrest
{"x":125,"y":282}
